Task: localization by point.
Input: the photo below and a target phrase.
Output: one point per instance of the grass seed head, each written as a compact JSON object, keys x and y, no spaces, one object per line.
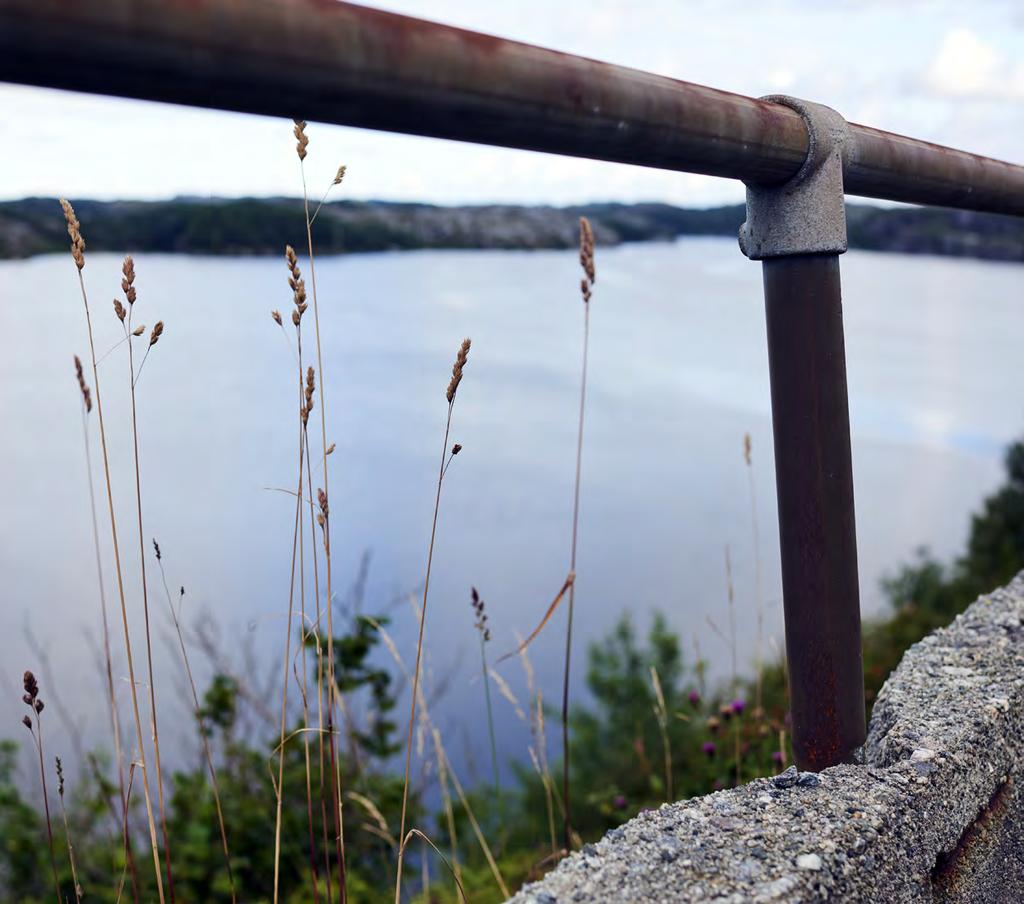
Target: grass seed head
{"x":339,"y":175}
{"x":139,"y":330}
{"x":128,"y":279}
{"x":158,"y":331}
{"x":31,"y":686}
{"x":587,"y":258}
{"x":481,"y":616}
{"x":296,"y":283}
{"x":82,"y":385}
{"x":746,"y":448}
{"x":277,"y":317}
{"x":119,"y":310}
{"x":460,"y":363}
{"x":307,"y":407}
{"x":75,"y":232}
{"x":300,"y":138}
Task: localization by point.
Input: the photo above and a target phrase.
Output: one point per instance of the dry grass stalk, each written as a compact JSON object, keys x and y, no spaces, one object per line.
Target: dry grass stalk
{"x":523,"y":644}
{"x":197,"y":711}
{"x":305,"y":408}
{"x":443,"y":763}
{"x":446,"y":806}
{"x":338,"y":177}
{"x":128,"y":287}
{"x":758,"y":587}
{"x":539,"y":748}
{"x":35,"y":704}
{"x":471,"y":816}
{"x":539,"y":754}
{"x":457,"y":370}
{"x":306,"y":394}
{"x":78,"y":255}
{"x":418,"y":834}
{"x":127,"y":837}
{"x":279,"y":786}
{"x":732,"y":652}
{"x":67,"y":831}
{"x":302,"y":141}
{"x":586,"y":285}
{"x":115,"y":721}
{"x":480,"y":624}
{"x":305,"y":403}
{"x":319,"y":680}
{"x":661,"y":714}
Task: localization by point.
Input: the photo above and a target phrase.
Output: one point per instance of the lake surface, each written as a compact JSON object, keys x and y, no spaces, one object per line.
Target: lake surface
{"x":678,"y":375}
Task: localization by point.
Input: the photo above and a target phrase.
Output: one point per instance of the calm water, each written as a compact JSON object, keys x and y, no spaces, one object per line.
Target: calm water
{"x":679,"y":373}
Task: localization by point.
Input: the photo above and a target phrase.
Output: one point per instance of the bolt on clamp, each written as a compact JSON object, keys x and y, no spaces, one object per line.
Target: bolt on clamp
{"x":807,"y":213}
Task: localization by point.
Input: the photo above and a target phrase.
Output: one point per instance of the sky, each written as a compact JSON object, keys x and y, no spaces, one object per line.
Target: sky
{"x":941,"y":70}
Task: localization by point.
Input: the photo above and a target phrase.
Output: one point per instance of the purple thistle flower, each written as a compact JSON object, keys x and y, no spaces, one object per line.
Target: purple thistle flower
{"x":738,"y":705}
{"x":777,"y":757}
{"x":693,"y":697}
{"x":708,"y":747}
{"x":619,"y":802}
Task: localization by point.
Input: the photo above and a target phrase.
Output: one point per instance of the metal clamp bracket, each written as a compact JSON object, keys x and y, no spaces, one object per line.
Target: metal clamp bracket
{"x":807,"y":214}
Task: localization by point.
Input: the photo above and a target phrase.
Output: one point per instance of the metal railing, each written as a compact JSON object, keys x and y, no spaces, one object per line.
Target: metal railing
{"x":341,"y":63}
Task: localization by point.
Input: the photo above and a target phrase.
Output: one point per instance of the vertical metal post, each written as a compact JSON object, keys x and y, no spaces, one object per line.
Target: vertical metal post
{"x":798,"y":230}
{"x":814,"y":481}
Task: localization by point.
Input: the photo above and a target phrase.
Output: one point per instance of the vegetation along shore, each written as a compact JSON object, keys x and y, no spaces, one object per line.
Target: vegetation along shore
{"x":226,"y":226}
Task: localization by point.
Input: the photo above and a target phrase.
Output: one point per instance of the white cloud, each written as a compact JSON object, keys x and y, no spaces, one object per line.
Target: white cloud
{"x":965,"y":66}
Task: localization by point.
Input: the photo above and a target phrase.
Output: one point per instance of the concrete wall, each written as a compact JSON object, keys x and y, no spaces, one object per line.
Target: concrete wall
{"x":934,"y":813}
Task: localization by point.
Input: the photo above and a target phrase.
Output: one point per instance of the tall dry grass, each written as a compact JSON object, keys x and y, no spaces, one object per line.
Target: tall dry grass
{"x":461,"y":359}
{"x":78,"y":256}
{"x":115,"y":719}
{"x":484,"y":632}
{"x":302,"y":142}
{"x":586,"y":288}
{"x":758,"y":582}
{"x":35,"y":704}
{"x":67,"y":832}
{"x":130,"y":334}
{"x":305,"y":394}
{"x":197,"y":711}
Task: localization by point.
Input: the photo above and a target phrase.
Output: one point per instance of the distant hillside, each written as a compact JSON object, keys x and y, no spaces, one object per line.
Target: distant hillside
{"x":264,"y":225}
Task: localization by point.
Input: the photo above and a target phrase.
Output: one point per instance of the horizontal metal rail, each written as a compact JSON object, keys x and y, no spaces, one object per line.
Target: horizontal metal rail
{"x":342,"y":63}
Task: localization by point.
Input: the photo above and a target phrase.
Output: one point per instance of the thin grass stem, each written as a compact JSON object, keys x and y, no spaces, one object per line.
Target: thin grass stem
{"x":145,"y":608}
{"x":200,"y":721}
{"x":279,"y":790}
{"x":587,"y":261}
{"x":77,"y":251}
{"x":419,"y":648}
{"x":336,"y":789}
{"x":115,"y":721}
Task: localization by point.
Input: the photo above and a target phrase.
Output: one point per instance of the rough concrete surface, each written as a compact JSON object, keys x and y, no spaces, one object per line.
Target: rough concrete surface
{"x":934,"y":814}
